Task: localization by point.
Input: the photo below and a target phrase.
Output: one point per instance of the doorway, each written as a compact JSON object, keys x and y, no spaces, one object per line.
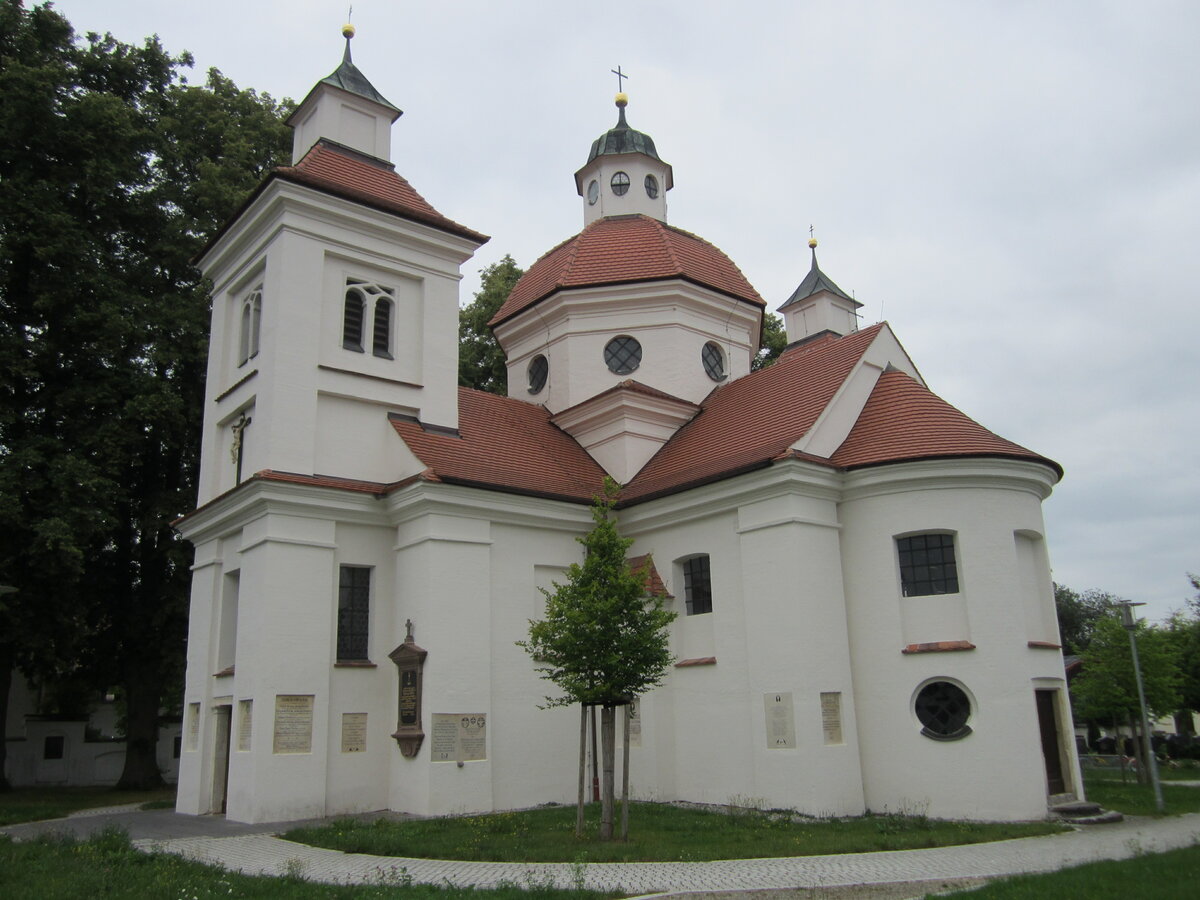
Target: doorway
{"x":223,"y":721}
{"x":1047,"y":709}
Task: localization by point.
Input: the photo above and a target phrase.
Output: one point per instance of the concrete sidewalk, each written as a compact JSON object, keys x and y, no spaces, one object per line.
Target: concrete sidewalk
{"x":254,"y":849}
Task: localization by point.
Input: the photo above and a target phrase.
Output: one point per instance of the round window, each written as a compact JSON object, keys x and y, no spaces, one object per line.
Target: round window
{"x":623,"y":355}
{"x":943,"y":709}
{"x":620,"y":184}
{"x":651,"y":186}
{"x":539,"y":368}
{"x":593,"y":193}
{"x":714,"y":361}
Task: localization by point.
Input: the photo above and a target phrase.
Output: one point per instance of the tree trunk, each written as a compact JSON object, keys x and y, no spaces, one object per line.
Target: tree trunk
{"x":595,"y":762}
{"x":625,"y":777}
{"x":583,"y":712}
{"x":6,"y":668}
{"x":608,"y":721}
{"x":142,"y":699}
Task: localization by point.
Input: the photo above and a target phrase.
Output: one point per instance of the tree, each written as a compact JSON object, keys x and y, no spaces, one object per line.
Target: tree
{"x":1078,"y":614}
{"x":481,"y":363}
{"x":1184,"y":628}
{"x":603,"y":640}
{"x":1106,"y":688}
{"x":113,"y":174}
{"x":774,"y":339}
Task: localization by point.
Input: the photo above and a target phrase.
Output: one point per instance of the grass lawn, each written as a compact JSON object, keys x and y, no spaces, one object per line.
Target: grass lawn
{"x":1173,"y":875}
{"x":1165,"y":773}
{"x":657,"y":832}
{"x":35,"y":804}
{"x":108,"y":866}
{"x":1135,"y":799}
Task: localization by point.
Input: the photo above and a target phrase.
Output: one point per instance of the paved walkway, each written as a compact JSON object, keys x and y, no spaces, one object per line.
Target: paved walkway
{"x":254,"y":849}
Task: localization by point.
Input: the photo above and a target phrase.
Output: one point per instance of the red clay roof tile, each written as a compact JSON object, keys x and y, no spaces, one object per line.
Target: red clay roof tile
{"x":621,"y":249}
{"x":644,"y":565}
{"x":339,"y":170}
{"x":506,"y":445}
{"x":903,"y":420}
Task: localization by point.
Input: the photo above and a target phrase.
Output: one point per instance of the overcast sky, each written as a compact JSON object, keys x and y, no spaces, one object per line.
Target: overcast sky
{"x":1014,"y":186}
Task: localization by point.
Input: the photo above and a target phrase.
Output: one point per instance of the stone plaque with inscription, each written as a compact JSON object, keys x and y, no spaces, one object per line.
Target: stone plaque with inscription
{"x":245,"y":716}
{"x":459,"y":737}
{"x":635,"y":723}
{"x":831,"y":716}
{"x":409,"y":660}
{"x":781,"y":721}
{"x":293,"y":723}
{"x":193,"y":727}
{"x":354,"y":732}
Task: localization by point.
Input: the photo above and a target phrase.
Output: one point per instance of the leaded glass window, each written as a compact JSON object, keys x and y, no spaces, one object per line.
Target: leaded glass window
{"x":651,"y":186}
{"x":714,"y":361}
{"x":619,"y":184}
{"x":354,"y":612}
{"x":927,"y":564}
{"x":697,"y":584}
{"x":943,"y":709}
{"x":623,"y":355}
{"x":539,"y":369}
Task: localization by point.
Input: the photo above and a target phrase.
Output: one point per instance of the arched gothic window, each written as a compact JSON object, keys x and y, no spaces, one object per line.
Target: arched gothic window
{"x":352,"y":320}
{"x":359,"y":294}
{"x":381,"y":342}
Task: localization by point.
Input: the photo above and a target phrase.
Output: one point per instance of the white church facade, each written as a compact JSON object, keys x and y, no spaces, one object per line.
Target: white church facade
{"x":866,"y":618}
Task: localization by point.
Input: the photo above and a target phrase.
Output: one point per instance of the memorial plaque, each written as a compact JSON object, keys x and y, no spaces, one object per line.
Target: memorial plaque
{"x":193,"y":732}
{"x":635,"y":723}
{"x":459,"y":737}
{"x":354,"y":732}
{"x":831,"y":716}
{"x":293,"y":723}
{"x":244,"y":720}
{"x":409,"y":660}
{"x":781,"y":721}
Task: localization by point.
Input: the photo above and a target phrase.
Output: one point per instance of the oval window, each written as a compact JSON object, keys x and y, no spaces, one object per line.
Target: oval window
{"x":943,"y":709}
{"x":714,"y":361}
{"x":593,"y":193}
{"x":620,"y":184}
{"x":623,"y":355}
{"x":539,"y":368}
{"x":651,"y":186}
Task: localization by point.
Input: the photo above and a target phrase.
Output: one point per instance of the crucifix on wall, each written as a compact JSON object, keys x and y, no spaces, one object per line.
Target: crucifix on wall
{"x":239,"y":442}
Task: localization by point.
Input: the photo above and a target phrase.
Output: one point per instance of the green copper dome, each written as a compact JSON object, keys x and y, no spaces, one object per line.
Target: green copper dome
{"x":623,"y":139}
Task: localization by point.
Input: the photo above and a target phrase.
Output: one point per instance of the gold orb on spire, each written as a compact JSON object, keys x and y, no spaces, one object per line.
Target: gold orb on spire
{"x":812,"y":243}
{"x":622,"y":99}
{"x":347,"y":30}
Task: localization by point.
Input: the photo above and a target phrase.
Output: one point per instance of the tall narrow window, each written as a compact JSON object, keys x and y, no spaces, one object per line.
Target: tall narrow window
{"x":354,"y":613}
{"x":251,"y":322}
{"x":381,"y":341}
{"x":352,"y":320}
{"x":697,"y":582}
{"x":927,"y":564}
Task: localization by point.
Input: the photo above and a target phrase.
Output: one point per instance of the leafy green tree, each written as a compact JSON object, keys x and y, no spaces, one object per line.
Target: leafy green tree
{"x":113,"y":174}
{"x":1185,"y":632}
{"x":481,"y":363}
{"x":1078,"y":614}
{"x":604,"y":639}
{"x":774,"y":339}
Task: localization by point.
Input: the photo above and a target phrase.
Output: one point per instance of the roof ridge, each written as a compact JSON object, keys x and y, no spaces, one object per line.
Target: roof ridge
{"x":662,"y":236}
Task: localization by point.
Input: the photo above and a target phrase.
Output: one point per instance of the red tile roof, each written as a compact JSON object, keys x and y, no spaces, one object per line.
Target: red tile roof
{"x":644,"y":565}
{"x":903,"y":420}
{"x":749,"y":422}
{"x":621,"y":249}
{"x":506,"y":445}
{"x":339,"y":170}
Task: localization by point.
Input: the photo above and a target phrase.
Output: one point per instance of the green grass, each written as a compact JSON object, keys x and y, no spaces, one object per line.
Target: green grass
{"x":36,"y":804}
{"x":108,"y":866}
{"x":1135,"y":799}
{"x":657,"y":832}
{"x":1173,"y":875}
{"x":1165,"y":773}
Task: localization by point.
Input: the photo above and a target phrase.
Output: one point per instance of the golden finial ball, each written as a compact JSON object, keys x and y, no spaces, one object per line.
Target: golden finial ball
{"x":348,"y":30}
{"x":812,"y":242}
{"x":622,"y":99}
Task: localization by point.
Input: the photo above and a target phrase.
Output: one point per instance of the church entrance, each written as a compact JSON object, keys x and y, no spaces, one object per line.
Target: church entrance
{"x":1047,"y":708}
{"x":223,"y":722}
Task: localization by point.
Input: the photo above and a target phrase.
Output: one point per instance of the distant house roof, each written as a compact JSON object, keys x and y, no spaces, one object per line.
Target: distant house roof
{"x":622,"y":249}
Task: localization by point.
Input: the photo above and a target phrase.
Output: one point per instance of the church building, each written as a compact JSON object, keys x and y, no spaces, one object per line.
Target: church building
{"x":865,"y":611}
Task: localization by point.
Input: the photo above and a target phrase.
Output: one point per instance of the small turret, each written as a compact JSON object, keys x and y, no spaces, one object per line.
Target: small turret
{"x":818,"y":305}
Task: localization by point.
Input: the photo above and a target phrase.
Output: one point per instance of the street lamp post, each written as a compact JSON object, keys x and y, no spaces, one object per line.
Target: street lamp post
{"x":1148,"y":750}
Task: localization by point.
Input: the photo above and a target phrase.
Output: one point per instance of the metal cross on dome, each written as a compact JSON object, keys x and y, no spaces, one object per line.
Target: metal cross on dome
{"x":621,"y":76}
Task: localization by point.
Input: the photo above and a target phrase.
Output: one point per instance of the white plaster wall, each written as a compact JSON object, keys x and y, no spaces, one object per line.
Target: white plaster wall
{"x":997,"y":771}
{"x":672,"y":321}
{"x":343,"y":117}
